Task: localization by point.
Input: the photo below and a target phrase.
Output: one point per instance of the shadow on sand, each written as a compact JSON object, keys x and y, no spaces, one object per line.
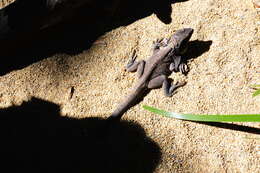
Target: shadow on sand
{"x":77,"y":30}
{"x":35,"y":138}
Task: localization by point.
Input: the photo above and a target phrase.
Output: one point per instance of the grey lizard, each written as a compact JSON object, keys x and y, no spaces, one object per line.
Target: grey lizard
{"x":153,"y":73}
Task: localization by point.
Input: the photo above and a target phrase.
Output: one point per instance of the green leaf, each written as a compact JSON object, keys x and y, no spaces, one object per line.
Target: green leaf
{"x":255,"y":86}
{"x":208,"y":118}
{"x":257,"y":92}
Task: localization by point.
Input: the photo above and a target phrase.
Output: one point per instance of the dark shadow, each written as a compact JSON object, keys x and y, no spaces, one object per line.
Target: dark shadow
{"x":36,"y":32}
{"x":196,"y":48}
{"x":235,"y":127}
{"x":36,"y":138}
{"x":130,"y":11}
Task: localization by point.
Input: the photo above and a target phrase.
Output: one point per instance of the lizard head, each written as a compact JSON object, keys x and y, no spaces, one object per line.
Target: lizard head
{"x":180,"y":40}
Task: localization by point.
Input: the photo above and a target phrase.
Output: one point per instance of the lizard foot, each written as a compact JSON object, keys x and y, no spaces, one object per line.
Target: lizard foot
{"x":172,"y":89}
{"x":156,"y":44}
{"x":132,"y":60}
{"x":162,"y":42}
{"x":184,"y":69}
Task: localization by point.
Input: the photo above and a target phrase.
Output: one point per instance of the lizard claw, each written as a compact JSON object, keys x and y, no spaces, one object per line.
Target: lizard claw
{"x":158,"y":40}
{"x":183,"y":68}
{"x":172,"y":89}
{"x":156,"y":44}
{"x":162,"y":42}
{"x":132,"y":60}
{"x":134,"y":56}
{"x":180,"y":84}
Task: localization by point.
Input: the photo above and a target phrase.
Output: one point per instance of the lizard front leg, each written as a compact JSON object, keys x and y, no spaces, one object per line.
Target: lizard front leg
{"x":164,"y":82}
{"x":182,"y":67}
{"x":159,"y":43}
{"x":176,"y":65}
{"x":133,"y":66}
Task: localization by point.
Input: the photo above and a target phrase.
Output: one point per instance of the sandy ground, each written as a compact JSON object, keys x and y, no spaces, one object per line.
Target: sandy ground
{"x":4,"y":3}
{"x":218,"y":82}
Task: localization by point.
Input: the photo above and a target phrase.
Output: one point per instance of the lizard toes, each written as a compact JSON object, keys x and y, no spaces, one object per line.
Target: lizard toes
{"x":132,"y":60}
{"x":183,"y":68}
{"x":134,"y":56}
{"x":180,"y":84}
{"x":172,"y":91}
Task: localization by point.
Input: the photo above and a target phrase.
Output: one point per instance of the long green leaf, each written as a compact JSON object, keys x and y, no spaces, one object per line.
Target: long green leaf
{"x":208,"y":118}
{"x":255,"y":86}
{"x":257,"y":92}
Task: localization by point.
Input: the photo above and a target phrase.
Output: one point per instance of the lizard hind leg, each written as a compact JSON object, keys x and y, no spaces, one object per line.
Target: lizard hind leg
{"x":166,"y":84}
{"x":133,"y":66}
{"x":173,"y":88}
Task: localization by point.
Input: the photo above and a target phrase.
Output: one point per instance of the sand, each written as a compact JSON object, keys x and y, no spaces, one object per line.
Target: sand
{"x":4,"y":3}
{"x":218,"y":83}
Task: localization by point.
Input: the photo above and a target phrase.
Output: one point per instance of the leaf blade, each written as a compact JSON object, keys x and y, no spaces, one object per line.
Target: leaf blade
{"x":255,"y":86}
{"x":207,"y":118}
{"x":256,"y":93}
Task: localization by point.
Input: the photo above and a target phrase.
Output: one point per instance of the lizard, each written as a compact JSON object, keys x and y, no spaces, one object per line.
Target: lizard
{"x":153,"y":73}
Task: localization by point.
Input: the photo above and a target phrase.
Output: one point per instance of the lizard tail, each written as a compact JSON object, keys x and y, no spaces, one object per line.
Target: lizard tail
{"x":133,"y":99}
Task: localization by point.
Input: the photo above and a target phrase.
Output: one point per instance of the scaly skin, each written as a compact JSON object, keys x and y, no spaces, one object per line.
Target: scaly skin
{"x":154,"y":72}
